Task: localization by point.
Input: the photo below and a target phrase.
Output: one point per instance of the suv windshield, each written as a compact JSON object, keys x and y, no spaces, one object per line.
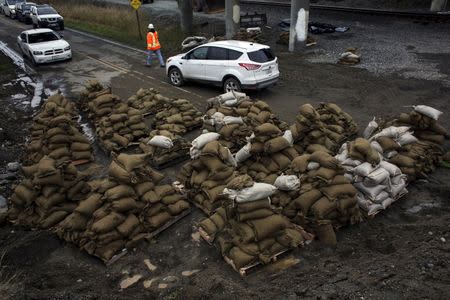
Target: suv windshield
{"x":11,"y":2}
{"x":27,"y":6}
{"x":46,"y":11}
{"x":42,"y":37}
{"x":262,"y":55}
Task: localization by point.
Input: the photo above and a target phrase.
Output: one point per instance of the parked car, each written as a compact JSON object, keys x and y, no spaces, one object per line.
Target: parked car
{"x":23,"y":11}
{"x":234,"y":65}
{"x":43,"y":16}
{"x":9,"y":7}
{"x":43,"y":46}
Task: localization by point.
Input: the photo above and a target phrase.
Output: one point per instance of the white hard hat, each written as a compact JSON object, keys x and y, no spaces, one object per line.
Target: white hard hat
{"x":150,"y":26}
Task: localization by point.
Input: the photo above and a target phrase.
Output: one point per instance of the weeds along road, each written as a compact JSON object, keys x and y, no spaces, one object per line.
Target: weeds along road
{"x":121,"y":66}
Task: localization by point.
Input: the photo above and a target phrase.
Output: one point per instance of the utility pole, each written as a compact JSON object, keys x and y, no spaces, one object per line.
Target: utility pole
{"x":299,"y":23}
{"x":232,"y":17}
{"x":185,"y":7}
{"x":438,"y":5}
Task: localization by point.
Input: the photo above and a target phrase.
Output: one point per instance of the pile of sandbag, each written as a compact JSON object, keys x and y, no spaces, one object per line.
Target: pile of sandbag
{"x":56,"y":134}
{"x":164,"y":147}
{"x":178,"y":116}
{"x":414,"y":141}
{"x":121,"y":127}
{"x":249,"y":35}
{"x":48,"y":194}
{"x":122,"y":209}
{"x":93,"y":89}
{"x":206,"y":175}
{"x":328,"y":126}
{"x":148,"y":101}
{"x":246,"y":229}
{"x":268,"y":153}
{"x":326,"y":198}
{"x":379,"y":182}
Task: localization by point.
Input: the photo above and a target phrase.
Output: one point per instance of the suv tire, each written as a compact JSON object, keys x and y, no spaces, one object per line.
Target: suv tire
{"x":231,"y":84}
{"x":175,"y":77}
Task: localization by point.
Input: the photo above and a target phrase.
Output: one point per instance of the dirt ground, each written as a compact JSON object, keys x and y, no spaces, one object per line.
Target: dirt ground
{"x":402,"y":253}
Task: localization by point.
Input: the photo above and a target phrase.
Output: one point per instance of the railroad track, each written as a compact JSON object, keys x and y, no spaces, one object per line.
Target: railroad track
{"x":371,"y":11}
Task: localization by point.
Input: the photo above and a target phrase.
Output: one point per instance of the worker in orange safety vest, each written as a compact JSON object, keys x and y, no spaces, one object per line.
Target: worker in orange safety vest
{"x":153,"y":46}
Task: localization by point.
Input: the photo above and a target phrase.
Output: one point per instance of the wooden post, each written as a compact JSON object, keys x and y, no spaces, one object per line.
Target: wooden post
{"x":139,"y":25}
{"x":186,"y":16}
{"x":298,"y":31}
{"x":232,"y":17}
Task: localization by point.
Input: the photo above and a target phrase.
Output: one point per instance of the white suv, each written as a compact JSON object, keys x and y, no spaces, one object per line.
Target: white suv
{"x":45,"y":16}
{"x":234,"y":65}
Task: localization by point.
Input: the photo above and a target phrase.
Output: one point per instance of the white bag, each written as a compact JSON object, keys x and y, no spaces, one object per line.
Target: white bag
{"x":226,"y":96}
{"x":398,"y":190}
{"x":287,"y":183}
{"x":387,"y":202}
{"x":390,"y":154}
{"x":232,"y":120}
{"x":374,"y":209}
{"x":391,"y":168}
{"x":406,"y":139}
{"x":371,"y":127}
{"x":428,"y":111}
{"x":351,"y":162}
{"x":256,"y":192}
{"x":161,"y":142}
{"x":230,"y":159}
{"x":398,"y":179}
{"x":381,"y":197}
{"x":349,"y":177}
{"x":204,"y":139}
{"x":194,"y":153}
{"x":288,"y":136}
{"x":371,"y":192}
{"x":312,"y":165}
{"x":363,"y":169}
{"x":378,"y":176}
{"x":375,"y":145}
{"x":343,"y":155}
{"x":363,"y":202}
{"x":392,"y":132}
{"x":218,"y":117}
{"x":243,"y":153}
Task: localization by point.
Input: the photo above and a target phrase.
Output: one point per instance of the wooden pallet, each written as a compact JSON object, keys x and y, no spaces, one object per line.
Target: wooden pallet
{"x":243,"y":271}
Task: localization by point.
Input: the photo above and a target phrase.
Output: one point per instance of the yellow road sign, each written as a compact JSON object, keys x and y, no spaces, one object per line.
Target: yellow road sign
{"x":135,"y":4}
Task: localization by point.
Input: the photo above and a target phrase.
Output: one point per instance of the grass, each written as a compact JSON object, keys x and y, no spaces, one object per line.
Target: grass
{"x":8,"y":282}
{"x":117,"y":22}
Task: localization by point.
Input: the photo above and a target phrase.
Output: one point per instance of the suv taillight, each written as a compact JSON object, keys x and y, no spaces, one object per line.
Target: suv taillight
{"x":250,"y":67}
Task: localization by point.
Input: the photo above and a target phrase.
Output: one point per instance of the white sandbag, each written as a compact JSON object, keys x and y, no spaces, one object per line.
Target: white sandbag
{"x":398,"y":179}
{"x":194,"y":153}
{"x":392,"y":132}
{"x":398,"y":190}
{"x":351,"y":162}
{"x":243,"y":153}
{"x":371,"y":127}
{"x":232,"y":120}
{"x":375,"y":145}
{"x":343,"y":155}
{"x":387,"y":202}
{"x":374,"y":209}
{"x":428,"y":111}
{"x":406,"y":138}
{"x":217,"y":118}
{"x":205,"y":138}
{"x":208,"y":121}
{"x":287,"y":183}
{"x":226,"y":96}
{"x":230,"y":103}
{"x":390,"y":154}
{"x":349,"y":176}
{"x":383,"y":195}
{"x":363,"y":202}
{"x":256,"y":192}
{"x":230,"y":159}
{"x":391,"y":168}
{"x":312,"y":165}
{"x":161,"y":142}
{"x":288,"y":136}
{"x":377,"y":176}
{"x":371,"y":192}
{"x":363,"y":169}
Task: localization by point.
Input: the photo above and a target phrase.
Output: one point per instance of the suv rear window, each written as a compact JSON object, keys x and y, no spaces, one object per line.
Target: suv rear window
{"x":262,"y":55}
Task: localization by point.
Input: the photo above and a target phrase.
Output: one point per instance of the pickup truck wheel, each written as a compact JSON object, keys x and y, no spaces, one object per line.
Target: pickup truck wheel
{"x":175,"y":77}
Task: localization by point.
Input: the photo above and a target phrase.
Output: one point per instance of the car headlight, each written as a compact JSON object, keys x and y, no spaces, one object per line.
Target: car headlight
{"x":38,"y":52}
{"x":67,"y":48}
{"x":60,"y":18}
{"x":13,"y":10}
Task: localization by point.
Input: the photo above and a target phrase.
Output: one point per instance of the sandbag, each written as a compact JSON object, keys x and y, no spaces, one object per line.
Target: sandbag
{"x":428,"y":111}
{"x":108,"y":222}
{"x":53,"y":219}
{"x":178,"y":207}
{"x":276,"y":145}
{"x":91,"y":204}
{"x":256,"y":192}
{"x":161,"y":141}
{"x":300,"y":163}
{"x":255,"y":214}
{"x":144,"y":187}
{"x":323,"y":207}
{"x":124,"y":204}
{"x":334,"y":192}
{"x":128,"y":226}
{"x":267,"y":129}
{"x":240,"y":258}
{"x":158,"y":220}
{"x":287,"y":183}
{"x":253,"y":205}
{"x":269,"y":226}
{"x":306,"y":200}
{"x":120,"y":191}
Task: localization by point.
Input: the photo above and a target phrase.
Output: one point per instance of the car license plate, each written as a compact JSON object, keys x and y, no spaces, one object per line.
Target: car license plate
{"x":269,"y":71}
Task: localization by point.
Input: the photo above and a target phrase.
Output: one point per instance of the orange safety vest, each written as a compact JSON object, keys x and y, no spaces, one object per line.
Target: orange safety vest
{"x":152,"y":41}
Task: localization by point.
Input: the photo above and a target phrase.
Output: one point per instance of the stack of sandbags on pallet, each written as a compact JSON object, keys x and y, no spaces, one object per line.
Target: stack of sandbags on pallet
{"x":268,"y":153}
{"x":148,"y":101}
{"x":48,"y":194}
{"x":121,"y":127}
{"x":178,"y":116}
{"x":326,"y":198}
{"x":206,"y":175}
{"x":164,"y":147}
{"x":246,"y":229}
{"x":420,"y":157}
{"x":330,"y":128}
{"x":54,"y":133}
{"x":93,"y":89}
{"x":379,"y":182}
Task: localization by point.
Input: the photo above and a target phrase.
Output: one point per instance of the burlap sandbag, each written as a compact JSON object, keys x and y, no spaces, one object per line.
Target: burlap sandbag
{"x":339,"y":179}
{"x":178,"y":207}
{"x":276,"y":145}
{"x":326,"y":234}
{"x":150,"y":197}
{"x":323,"y":207}
{"x":240,"y":258}
{"x":269,"y":226}
{"x":154,"y":209}
{"x":306,"y":200}
{"x":214,"y":164}
{"x":108,"y":222}
{"x":78,"y":147}
{"x":25,"y":194}
{"x":255,"y":214}
{"x":29,"y":171}
{"x":387,"y":143}
{"x":300,"y":163}
{"x":240,"y":182}
{"x":324,"y":174}
{"x":290,"y":238}
{"x":106,"y":238}
{"x":267,"y":129}
{"x":55,"y":179}
{"x":430,"y":136}
{"x":53,"y":219}
{"x":78,"y":191}
{"x":114,"y":118}
{"x":403,"y":161}
{"x":218,"y":220}
{"x":214,"y":194}
{"x":47,"y":203}
{"x":127,"y":227}
{"x":124,"y":204}
{"x":281,"y":160}
{"x":108,"y":251}
{"x":308,"y":111}
{"x":159,"y":219}
{"x":120,"y":174}
{"x":171,"y":199}
{"x":347,"y":202}
{"x":256,"y":147}
{"x":120,"y":140}
{"x":208,"y":226}
{"x":142,"y":188}
{"x":164,"y":190}
{"x":290,"y":152}
{"x":222,"y":175}
{"x":227,"y":130}
{"x":120,"y":191}
{"x":334,"y":192}
{"x":324,"y":159}
{"x":74,"y":222}
{"x":91,"y":204}
{"x":46,"y":167}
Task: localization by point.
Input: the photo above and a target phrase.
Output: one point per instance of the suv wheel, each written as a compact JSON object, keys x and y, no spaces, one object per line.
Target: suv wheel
{"x":231,"y":84}
{"x":175,"y":77}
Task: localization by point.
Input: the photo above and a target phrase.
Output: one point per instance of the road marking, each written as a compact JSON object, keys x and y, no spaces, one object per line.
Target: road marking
{"x":108,"y":65}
